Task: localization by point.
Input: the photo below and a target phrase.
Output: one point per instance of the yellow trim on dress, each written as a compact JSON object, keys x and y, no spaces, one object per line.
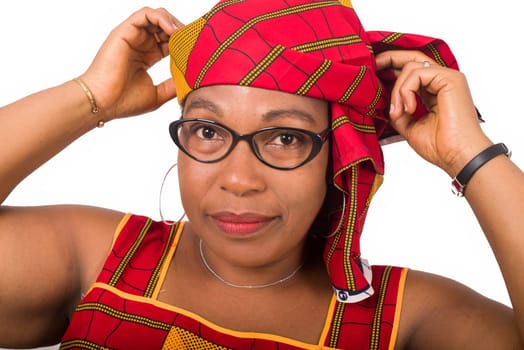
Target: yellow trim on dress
{"x":167,"y":261}
{"x":239,"y":334}
{"x":119,"y":228}
{"x":117,"y":232}
{"x":398,"y":309}
{"x":155,"y":302}
{"x":327,"y":324}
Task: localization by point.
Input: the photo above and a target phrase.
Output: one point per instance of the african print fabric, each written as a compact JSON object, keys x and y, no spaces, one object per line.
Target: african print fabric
{"x":122,"y":310}
{"x":317,"y":49}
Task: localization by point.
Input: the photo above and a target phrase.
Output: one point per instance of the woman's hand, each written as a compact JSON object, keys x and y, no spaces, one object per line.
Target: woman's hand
{"x":118,"y":76}
{"x":449,"y":135}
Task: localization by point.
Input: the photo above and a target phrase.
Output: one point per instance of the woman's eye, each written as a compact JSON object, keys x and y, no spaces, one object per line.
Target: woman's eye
{"x":286,"y":139}
{"x":205,"y":132}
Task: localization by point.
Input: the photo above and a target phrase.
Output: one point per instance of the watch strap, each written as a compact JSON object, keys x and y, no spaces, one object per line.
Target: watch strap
{"x":459,"y":182}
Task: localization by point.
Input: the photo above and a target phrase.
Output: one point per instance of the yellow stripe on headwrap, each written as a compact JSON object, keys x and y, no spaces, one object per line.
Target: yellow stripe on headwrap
{"x":180,"y":55}
{"x":319,"y":49}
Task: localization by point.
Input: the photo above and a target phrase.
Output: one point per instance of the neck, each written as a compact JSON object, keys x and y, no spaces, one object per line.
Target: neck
{"x":256,"y":277}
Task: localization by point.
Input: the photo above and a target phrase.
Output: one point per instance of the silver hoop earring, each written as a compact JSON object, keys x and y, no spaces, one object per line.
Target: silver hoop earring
{"x":341,"y":218}
{"x":167,"y":222}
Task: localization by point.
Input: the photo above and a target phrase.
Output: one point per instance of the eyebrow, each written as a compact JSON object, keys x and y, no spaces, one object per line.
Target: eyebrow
{"x":201,"y":103}
{"x":285,"y":113}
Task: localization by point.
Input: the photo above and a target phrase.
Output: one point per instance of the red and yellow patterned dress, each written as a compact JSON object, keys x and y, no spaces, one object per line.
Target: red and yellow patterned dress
{"x":122,"y":310}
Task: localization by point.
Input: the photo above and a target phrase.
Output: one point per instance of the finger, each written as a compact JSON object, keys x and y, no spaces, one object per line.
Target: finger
{"x":403,"y":96}
{"x":171,"y":19}
{"x":402,"y":124}
{"x":157,"y":38}
{"x":149,"y":29}
{"x":166,"y":91}
{"x":155,"y":20}
{"x":397,"y":59}
{"x":167,"y":22}
{"x":436,"y":84}
{"x":401,"y":63}
{"x":163,"y":24}
{"x":162,"y":41}
{"x":160,"y":37}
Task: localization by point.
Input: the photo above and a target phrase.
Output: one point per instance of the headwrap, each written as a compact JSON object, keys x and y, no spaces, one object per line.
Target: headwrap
{"x":317,"y":49}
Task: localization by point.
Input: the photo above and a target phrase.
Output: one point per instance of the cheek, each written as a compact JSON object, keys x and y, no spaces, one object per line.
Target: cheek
{"x":193,"y":183}
{"x":305,"y":192}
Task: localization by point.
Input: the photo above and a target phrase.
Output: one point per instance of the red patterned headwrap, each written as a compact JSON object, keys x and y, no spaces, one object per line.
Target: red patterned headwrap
{"x":318,"y":49}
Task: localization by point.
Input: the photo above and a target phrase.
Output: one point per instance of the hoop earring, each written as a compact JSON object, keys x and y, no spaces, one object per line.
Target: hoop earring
{"x":167,"y":222}
{"x":341,"y":218}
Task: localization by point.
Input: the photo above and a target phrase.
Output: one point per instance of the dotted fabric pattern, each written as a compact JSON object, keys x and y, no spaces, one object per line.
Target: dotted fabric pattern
{"x":121,"y":316}
{"x":317,"y":49}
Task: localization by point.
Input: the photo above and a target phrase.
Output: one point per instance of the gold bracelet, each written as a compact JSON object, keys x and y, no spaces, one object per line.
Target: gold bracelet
{"x":91,"y":98}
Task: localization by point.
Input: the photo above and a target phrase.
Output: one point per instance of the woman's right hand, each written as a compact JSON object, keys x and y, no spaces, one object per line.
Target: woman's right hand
{"x":118,"y":76}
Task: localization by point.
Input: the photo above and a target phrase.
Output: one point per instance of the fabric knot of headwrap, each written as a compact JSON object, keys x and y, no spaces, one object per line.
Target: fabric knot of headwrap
{"x":317,"y":49}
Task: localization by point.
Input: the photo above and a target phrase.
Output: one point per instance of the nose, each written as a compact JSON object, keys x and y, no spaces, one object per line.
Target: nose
{"x":241,"y":173}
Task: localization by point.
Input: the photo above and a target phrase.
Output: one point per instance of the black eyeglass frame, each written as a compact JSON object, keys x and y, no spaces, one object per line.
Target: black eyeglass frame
{"x":318,"y":141}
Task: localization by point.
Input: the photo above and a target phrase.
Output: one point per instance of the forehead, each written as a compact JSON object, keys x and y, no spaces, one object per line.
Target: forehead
{"x":227,"y":100}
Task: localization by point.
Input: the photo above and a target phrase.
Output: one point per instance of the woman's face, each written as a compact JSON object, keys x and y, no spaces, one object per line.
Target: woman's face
{"x":245,"y":211}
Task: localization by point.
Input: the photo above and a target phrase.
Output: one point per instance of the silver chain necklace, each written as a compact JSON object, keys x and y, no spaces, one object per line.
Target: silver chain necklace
{"x":258,"y":286}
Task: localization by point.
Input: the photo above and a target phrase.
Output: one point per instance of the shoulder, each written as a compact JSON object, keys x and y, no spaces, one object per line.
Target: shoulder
{"x":73,"y":236}
{"x":48,"y":256}
{"x":439,"y":313}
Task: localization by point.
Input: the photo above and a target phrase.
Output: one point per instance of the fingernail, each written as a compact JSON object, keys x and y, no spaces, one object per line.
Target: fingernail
{"x":391,"y":108}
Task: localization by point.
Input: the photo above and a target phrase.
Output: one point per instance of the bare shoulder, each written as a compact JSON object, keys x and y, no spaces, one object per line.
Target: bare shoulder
{"x":439,"y":313}
{"x":80,"y":235}
{"x":48,"y":256}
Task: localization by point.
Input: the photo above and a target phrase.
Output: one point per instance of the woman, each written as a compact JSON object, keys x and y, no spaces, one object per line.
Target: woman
{"x":249,"y":215}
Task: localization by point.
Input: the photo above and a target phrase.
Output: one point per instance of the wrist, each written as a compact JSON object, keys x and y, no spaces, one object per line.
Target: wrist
{"x":460,"y":181}
{"x":89,"y":96}
{"x":465,"y":154}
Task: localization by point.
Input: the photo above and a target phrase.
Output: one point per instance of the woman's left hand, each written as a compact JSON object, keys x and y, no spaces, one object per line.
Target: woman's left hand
{"x":449,"y":135}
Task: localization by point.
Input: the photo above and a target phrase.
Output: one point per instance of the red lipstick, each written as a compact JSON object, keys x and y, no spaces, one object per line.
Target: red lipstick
{"x":241,"y":224}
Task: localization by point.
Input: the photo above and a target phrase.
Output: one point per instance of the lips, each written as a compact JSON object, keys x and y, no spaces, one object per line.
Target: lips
{"x":241,"y":224}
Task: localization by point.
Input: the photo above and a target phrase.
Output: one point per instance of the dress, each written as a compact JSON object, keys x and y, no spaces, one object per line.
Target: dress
{"x":121,"y":310}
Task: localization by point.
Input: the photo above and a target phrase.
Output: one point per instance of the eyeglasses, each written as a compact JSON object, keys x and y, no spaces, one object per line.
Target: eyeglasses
{"x":280,"y":148}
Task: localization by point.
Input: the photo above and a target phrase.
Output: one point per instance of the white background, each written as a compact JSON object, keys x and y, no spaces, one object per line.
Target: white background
{"x":415,"y":221}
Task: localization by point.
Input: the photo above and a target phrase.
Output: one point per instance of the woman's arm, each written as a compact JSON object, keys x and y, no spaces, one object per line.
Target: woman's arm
{"x":37,"y":127}
{"x":496,"y":195}
{"x":49,"y":255}
{"x":441,"y":312}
